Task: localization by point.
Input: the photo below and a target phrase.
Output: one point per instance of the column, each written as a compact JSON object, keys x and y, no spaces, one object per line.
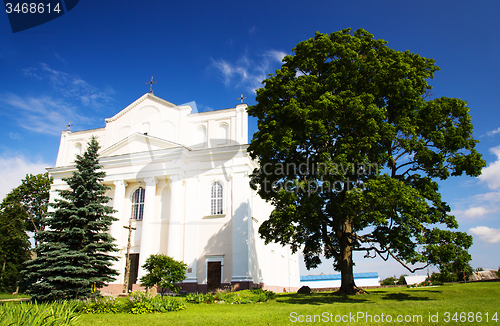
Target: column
{"x":175,"y":243}
{"x":116,"y":229}
{"x":147,"y":224}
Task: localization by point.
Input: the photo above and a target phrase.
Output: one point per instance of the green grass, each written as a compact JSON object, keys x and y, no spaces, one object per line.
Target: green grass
{"x":468,"y":298}
{"x":4,"y":296}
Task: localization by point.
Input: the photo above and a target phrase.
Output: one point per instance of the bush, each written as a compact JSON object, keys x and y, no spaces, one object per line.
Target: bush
{"x":237,"y":297}
{"x":389,"y":281}
{"x":98,"y":305}
{"x":244,"y":296}
{"x":443,"y":277}
{"x":61,"y":313}
{"x":164,"y":272}
{"x":401,"y":280}
{"x":200,"y":298}
{"x":137,"y":303}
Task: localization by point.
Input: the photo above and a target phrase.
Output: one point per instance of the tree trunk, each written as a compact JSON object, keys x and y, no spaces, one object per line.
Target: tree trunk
{"x":346,"y":264}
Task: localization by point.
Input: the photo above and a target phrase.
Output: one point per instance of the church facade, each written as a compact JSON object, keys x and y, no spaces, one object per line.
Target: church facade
{"x":181,"y":178}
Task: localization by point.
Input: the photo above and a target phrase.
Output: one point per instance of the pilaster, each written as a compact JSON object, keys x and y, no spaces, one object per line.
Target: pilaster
{"x":116,"y":229}
{"x":242,"y":235}
{"x":175,"y":240}
{"x":147,"y":224}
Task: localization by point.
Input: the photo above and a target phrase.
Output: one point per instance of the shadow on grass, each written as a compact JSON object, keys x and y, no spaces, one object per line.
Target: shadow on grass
{"x":404,"y":297}
{"x":320,"y":298}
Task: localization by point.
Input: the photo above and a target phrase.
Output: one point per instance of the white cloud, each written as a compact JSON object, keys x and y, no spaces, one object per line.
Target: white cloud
{"x":247,"y":72}
{"x":486,"y":234}
{"x":493,"y":132}
{"x":276,"y":55}
{"x":42,"y":114}
{"x":491,"y":173}
{"x":72,"y":86}
{"x":475,"y":212}
{"x":14,"y":135}
{"x":14,"y":168}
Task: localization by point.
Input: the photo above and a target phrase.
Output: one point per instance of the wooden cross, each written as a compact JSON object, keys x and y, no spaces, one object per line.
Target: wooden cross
{"x":69,"y":125}
{"x":127,"y":263}
{"x":241,"y":98}
{"x":151,"y":84}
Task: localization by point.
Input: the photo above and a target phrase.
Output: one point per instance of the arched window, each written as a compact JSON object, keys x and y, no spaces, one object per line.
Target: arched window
{"x":78,"y":149}
{"x":223,"y":131}
{"x":138,"y":204}
{"x":216,"y":199}
{"x":201,"y":135}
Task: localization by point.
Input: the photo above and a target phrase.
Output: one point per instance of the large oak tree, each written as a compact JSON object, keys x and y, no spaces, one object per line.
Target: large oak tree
{"x":351,"y":148}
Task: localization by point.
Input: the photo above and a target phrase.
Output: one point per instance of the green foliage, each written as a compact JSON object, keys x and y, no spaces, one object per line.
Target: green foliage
{"x":163,"y":272}
{"x":137,"y":303}
{"x":351,"y":148}
{"x":98,"y":305}
{"x":20,"y":211}
{"x":35,"y":314}
{"x":33,"y":195}
{"x":401,"y":280}
{"x":200,"y":298}
{"x":14,"y":244}
{"x":73,"y":252}
{"x":453,"y":272}
{"x":389,"y":281}
{"x":444,"y":277}
{"x":236,"y":297}
{"x":244,"y":296}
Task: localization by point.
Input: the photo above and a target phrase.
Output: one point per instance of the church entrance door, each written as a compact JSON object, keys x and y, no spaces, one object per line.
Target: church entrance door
{"x":134,"y":269}
{"x":214,"y":275}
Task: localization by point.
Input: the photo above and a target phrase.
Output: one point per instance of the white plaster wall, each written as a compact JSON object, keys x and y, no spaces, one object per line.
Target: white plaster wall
{"x":234,"y":235}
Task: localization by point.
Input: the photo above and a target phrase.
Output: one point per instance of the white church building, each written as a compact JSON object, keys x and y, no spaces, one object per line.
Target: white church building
{"x":182,"y":177}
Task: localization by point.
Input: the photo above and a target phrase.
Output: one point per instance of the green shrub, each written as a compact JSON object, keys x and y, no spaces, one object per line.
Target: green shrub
{"x":200,"y":298}
{"x":389,"y":281}
{"x":163,"y":271}
{"x":99,"y":305}
{"x":244,"y":296}
{"x":137,"y":303}
{"x":33,"y":314}
{"x":236,"y":297}
{"x":401,"y":280}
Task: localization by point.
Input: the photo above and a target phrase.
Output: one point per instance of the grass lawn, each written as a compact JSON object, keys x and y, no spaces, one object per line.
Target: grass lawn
{"x":4,"y":296}
{"x":473,"y":300}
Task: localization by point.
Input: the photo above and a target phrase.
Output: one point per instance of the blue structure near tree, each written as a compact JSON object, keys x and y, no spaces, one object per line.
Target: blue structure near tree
{"x":333,"y":280}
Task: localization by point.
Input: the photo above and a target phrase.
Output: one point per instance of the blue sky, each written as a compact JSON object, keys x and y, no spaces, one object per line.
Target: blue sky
{"x":93,"y":61}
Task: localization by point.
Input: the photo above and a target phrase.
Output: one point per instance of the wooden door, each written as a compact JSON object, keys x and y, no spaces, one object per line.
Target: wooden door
{"x":134,"y":270}
{"x":214,"y":275}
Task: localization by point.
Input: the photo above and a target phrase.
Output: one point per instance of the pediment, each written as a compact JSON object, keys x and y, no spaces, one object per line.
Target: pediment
{"x":140,"y":101}
{"x":137,"y":143}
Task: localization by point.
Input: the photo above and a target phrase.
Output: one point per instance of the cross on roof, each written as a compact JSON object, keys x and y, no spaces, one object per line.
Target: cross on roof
{"x":69,"y":125}
{"x":241,"y":98}
{"x":151,"y":84}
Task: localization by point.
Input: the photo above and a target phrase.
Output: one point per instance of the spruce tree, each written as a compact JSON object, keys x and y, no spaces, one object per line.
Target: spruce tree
{"x":73,"y":255}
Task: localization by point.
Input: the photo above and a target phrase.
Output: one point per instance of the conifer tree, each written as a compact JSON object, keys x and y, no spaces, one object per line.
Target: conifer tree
{"x":73,"y":255}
